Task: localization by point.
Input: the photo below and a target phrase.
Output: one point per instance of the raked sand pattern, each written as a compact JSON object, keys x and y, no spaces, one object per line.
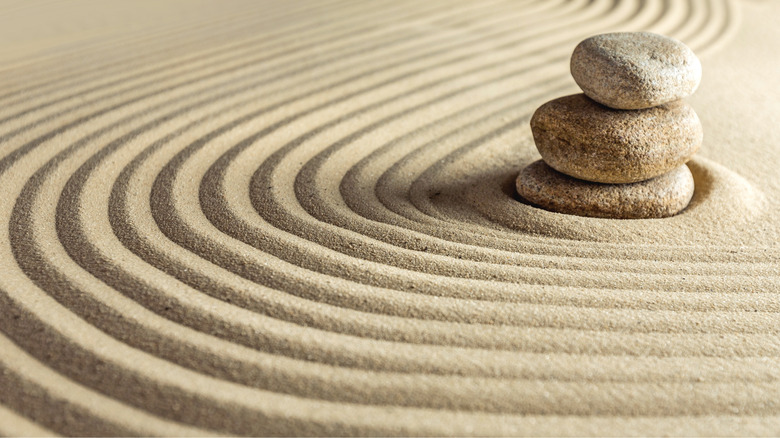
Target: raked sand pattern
{"x":299,"y":218}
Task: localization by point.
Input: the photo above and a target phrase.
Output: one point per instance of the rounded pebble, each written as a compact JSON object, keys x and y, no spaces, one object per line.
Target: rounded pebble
{"x":663,"y":196}
{"x":589,"y":141}
{"x":634,"y":70}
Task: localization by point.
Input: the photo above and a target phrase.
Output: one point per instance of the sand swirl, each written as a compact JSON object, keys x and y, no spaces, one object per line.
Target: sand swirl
{"x":292,"y":218}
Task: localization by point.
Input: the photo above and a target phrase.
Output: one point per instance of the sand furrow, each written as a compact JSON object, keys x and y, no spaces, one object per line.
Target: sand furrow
{"x":278,"y":45}
{"x":298,"y":218}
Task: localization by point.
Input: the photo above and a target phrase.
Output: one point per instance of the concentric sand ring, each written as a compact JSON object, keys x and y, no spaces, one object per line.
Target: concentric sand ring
{"x":293,"y":218}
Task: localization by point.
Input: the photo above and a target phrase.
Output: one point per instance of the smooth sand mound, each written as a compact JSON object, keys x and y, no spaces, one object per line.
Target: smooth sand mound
{"x":299,"y":218}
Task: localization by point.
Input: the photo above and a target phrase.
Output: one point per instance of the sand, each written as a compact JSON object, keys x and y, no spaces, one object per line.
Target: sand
{"x":299,"y":218}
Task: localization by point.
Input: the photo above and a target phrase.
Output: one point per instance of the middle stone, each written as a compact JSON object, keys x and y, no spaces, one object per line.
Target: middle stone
{"x":584,"y":139}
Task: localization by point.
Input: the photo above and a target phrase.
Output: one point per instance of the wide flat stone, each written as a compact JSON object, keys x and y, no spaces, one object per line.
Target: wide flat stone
{"x":663,"y":196}
{"x":587,"y":140}
{"x":633,"y":70}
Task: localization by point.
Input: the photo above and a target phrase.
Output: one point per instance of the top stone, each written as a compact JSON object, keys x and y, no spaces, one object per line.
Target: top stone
{"x":634,"y":70}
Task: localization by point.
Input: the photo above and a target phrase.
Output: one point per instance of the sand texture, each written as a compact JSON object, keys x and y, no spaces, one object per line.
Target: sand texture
{"x":295,"y":218}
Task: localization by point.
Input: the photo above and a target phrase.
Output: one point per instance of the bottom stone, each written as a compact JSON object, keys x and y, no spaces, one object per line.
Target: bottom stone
{"x":662,"y":196}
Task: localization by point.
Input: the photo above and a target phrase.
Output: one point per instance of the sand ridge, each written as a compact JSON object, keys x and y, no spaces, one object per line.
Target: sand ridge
{"x":297,"y":218}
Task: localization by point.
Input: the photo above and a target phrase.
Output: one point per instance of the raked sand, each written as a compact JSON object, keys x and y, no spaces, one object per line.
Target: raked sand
{"x":293,"y":218}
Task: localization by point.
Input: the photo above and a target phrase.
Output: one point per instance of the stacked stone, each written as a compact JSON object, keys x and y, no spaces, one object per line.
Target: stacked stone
{"x":619,"y":150}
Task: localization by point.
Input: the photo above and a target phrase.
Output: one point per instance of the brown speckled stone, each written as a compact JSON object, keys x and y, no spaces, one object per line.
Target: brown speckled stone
{"x":663,"y":196}
{"x":589,"y":141}
{"x":633,"y":70}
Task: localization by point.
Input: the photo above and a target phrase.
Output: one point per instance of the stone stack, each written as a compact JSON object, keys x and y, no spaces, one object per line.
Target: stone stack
{"x":619,"y":150}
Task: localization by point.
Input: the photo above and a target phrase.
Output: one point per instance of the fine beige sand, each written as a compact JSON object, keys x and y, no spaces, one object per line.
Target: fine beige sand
{"x":298,"y":217}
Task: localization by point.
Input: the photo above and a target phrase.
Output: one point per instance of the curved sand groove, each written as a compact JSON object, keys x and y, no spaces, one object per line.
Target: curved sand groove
{"x":74,"y":74}
{"x":239,"y":58}
{"x":304,"y":229}
{"x":101,"y":76}
{"x":29,"y":385}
